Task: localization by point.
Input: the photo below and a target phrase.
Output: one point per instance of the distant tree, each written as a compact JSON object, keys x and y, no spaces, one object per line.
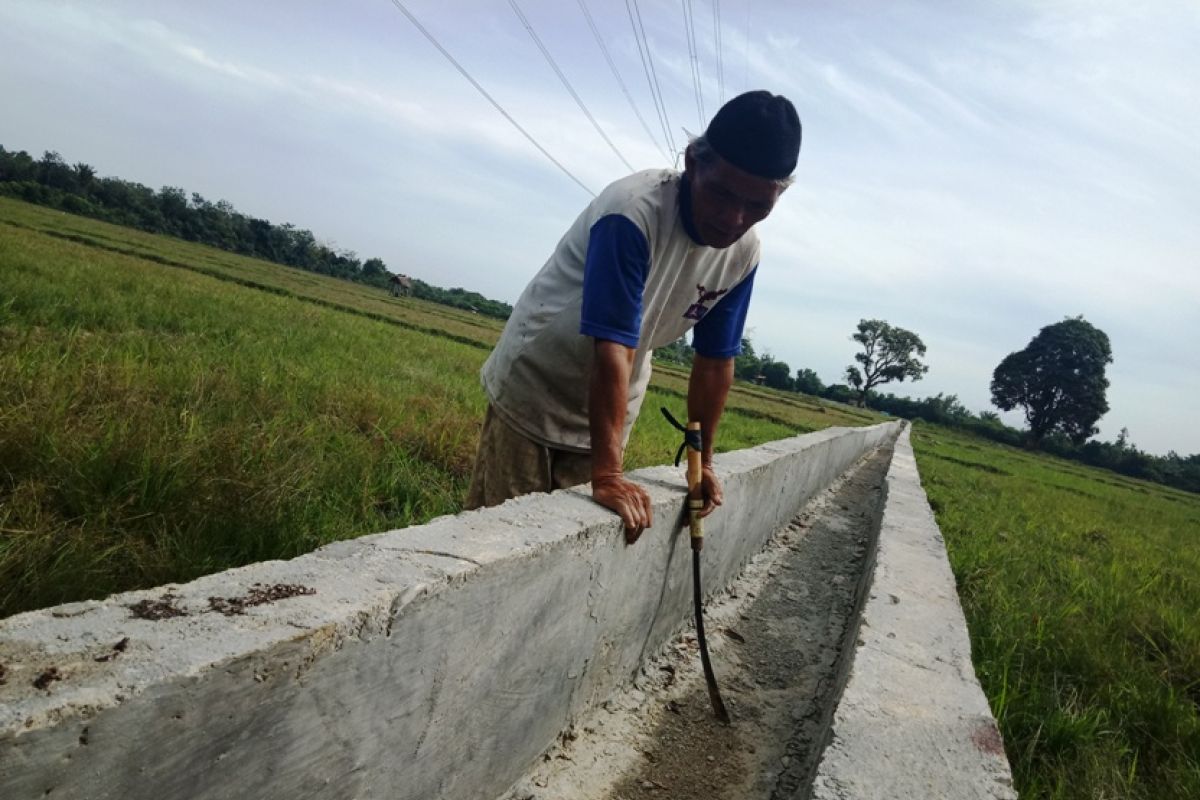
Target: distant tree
{"x":889,"y":354}
{"x":1058,"y":379}
{"x":808,"y":382}
{"x":943,"y":409}
{"x":173,"y":204}
{"x":1123,"y":442}
{"x":84,"y":175}
{"x":677,"y":352}
{"x":747,"y":364}
{"x":54,"y":172}
{"x":51,"y":181}
{"x":17,"y":165}
{"x":839,"y":392}
{"x":776,"y":374}
{"x":376,"y":272}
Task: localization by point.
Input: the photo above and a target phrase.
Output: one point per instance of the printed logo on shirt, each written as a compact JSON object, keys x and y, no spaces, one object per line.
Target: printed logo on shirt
{"x":698,"y":309}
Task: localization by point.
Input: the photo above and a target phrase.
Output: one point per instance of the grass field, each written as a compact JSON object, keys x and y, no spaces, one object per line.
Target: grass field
{"x":168,"y":410}
{"x":1082,"y":595}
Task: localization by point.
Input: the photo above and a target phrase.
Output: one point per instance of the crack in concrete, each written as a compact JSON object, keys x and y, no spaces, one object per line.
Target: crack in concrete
{"x":441,"y":554}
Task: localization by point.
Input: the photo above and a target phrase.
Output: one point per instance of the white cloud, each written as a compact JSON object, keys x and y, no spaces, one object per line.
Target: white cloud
{"x":972,"y":172}
{"x":241,"y":72}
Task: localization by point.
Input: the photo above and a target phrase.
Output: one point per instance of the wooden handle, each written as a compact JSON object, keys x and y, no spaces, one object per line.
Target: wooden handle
{"x":695,"y":492}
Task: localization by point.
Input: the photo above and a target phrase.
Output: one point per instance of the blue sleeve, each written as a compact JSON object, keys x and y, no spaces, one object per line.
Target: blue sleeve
{"x":718,"y":334}
{"x":614,"y":277}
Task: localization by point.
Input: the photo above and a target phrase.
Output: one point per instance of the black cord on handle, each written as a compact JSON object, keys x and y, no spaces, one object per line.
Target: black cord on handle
{"x":693,"y":439}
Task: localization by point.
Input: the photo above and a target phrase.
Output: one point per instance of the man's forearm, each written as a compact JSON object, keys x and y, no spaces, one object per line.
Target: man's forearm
{"x":608,"y":397}
{"x":708,"y":387}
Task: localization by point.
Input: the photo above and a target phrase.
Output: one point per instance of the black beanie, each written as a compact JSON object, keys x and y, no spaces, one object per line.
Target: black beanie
{"x":758,"y":132}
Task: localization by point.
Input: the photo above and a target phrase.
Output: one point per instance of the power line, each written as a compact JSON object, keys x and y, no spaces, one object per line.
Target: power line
{"x":689,"y":25}
{"x":487,"y":96}
{"x":648,"y":68}
{"x":553,"y":65}
{"x":613,"y":67}
{"x":716,"y":4}
{"x":746,"y":50}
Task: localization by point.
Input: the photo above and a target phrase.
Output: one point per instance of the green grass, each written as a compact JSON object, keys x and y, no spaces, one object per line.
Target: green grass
{"x":168,"y":410}
{"x":1082,"y":594}
{"x":253,"y":273}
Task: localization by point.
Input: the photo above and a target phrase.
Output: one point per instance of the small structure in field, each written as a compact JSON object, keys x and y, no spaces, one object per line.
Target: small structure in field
{"x":401,"y":286}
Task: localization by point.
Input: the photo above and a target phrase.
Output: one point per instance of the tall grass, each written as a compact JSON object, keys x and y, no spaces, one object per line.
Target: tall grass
{"x":159,"y":422}
{"x":168,"y":410}
{"x":1082,"y":595}
{"x":156,"y":425}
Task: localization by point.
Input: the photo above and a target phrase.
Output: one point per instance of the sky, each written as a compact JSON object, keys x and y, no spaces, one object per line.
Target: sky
{"x":971,"y":171}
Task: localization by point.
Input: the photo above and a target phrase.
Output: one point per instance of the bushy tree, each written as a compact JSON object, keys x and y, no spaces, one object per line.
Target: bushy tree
{"x":889,"y":354}
{"x":1058,"y":379}
{"x":776,"y":374}
{"x":839,"y":392}
{"x":677,"y":352}
{"x":808,"y":382}
{"x":746,"y":364}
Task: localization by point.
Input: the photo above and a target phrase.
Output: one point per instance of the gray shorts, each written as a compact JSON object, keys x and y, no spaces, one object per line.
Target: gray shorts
{"x":508,"y":465}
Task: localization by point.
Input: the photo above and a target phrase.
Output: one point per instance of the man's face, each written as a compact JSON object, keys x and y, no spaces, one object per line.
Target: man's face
{"x":727,"y":201}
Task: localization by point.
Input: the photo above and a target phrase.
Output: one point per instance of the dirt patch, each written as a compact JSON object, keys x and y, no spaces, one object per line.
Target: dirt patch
{"x":259,"y":594}
{"x":47,"y":677}
{"x":162,"y":608}
{"x":117,"y":649}
{"x":777,"y":639}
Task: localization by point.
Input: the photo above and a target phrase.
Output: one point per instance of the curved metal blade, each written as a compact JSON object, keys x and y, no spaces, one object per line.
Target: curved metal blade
{"x":714,"y":694}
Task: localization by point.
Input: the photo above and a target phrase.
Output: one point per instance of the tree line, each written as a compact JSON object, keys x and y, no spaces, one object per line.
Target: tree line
{"x":1058,"y":380}
{"x":76,"y":188}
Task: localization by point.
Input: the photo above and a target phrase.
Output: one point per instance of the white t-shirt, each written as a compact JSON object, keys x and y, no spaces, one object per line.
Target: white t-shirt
{"x":537,"y":376}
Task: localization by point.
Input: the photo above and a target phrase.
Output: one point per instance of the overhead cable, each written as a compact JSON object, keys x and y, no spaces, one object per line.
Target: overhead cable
{"x":689,"y":25}
{"x":613,"y":67}
{"x":746,"y":50}
{"x":639,"y":35}
{"x":716,"y":4}
{"x":553,"y":65}
{"x":399,"y":5}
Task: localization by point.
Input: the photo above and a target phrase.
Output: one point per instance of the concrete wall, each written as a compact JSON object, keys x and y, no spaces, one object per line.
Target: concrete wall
{"x":435,"y":661}
{"x":912,"y":720}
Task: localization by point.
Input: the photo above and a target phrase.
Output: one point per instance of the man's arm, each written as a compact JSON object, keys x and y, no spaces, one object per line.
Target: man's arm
{"x":708,"y":387}
{"x":608,"y":396}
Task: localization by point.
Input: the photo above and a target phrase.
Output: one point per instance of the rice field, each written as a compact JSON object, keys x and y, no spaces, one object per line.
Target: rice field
{"x":168,"y":410}
{"x":1082,"y":595}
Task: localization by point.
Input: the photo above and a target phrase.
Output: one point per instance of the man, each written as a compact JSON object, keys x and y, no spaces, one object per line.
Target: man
{"x":655,"y":255}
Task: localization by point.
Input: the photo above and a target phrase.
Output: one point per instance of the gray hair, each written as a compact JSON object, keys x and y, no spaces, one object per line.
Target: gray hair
{"x":703,"y":153}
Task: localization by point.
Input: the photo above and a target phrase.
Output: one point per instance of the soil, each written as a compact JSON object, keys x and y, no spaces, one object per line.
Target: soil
{"x":258,"y":595}
{"x":776,"y":638}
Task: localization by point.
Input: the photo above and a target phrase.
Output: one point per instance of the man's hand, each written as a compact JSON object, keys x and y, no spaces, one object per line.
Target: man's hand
{"x":711,"y":487}
{"x":627,"y":499}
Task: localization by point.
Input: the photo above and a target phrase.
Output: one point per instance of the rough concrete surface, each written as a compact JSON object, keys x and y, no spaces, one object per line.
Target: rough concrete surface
{"x":842,"y":643}
{"x":913,"y":721}
{"x":436,"y":661}
{"x":777,"y":634}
